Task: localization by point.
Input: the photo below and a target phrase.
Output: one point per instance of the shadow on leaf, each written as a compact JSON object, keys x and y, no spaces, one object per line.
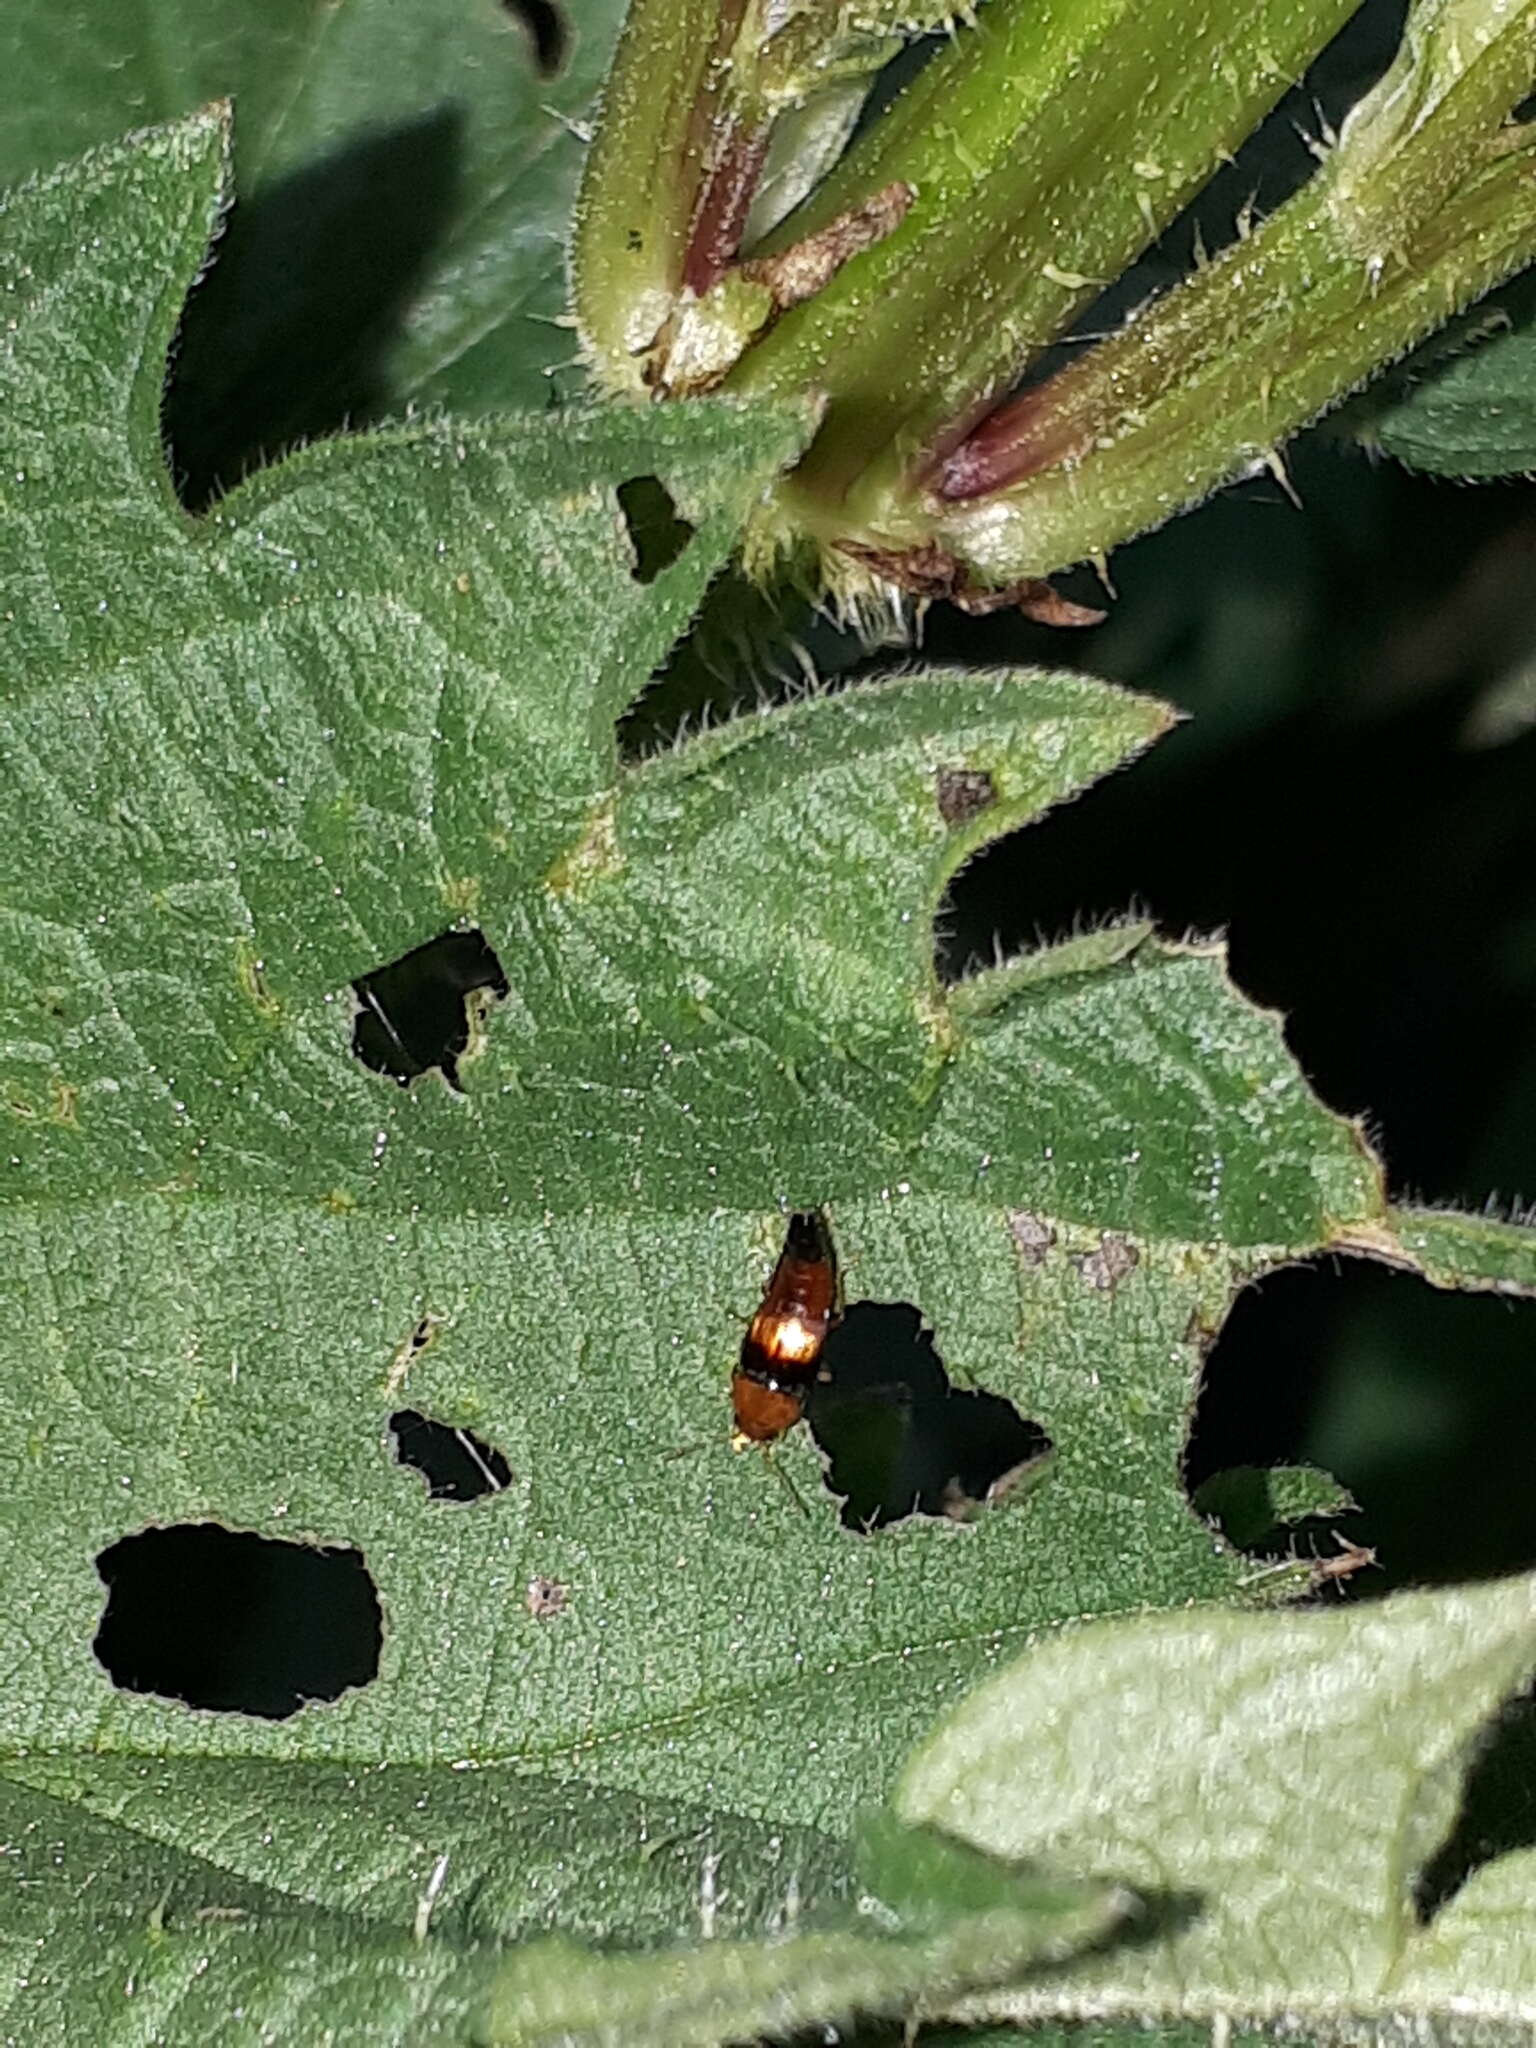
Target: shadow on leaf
{"x":287,"y":335}
{"x":1498,"y":1808}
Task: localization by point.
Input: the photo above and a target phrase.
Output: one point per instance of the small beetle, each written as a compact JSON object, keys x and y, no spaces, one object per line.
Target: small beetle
{"x":782,"y":1349}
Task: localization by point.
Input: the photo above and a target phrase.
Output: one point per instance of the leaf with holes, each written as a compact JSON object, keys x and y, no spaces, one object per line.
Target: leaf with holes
{"x":389,"y":1065}
{"x":1277,"y":1788}
{"x":406,"y":175}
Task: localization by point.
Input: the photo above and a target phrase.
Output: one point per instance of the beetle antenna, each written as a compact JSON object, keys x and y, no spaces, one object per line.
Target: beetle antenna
{"x":784,"y":1480}
{"x":704,"y":1443}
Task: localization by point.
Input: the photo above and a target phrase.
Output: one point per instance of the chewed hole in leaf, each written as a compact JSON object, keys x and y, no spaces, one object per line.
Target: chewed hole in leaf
{"x":236,"y":1623}
{"x":456,"y":1464}
{"x":899,"y":1438}
{"x":546,"y":31}
{"x":657,"y":535}
{"x":419,"y":1012}
{"x":1415,"y":1400}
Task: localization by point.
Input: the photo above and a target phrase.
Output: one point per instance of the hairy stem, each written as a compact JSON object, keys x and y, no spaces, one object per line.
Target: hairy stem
{"x":1428,"y":201}
{"x":1046,"y":147}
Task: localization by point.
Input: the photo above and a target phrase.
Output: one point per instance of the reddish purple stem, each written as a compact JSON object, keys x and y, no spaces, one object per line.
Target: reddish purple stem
{"x":1016,"y":441}
{"x":720,"y":219}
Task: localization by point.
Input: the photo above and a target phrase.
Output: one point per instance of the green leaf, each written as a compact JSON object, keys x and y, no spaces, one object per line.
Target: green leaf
{"x":351,"y":1907}
{"x":1476,"y":418}
{"x":937,"y":1920}
{"x":1478,"y":1252}
{"x":406,"y":175}
{"x":1278,"y":1782}
{"x":400,"y":1936}
{"x":376,"y":1906}
{"x":113,"y":1940}
{"x":373,"y":698}
{"x":1249,"y":1501}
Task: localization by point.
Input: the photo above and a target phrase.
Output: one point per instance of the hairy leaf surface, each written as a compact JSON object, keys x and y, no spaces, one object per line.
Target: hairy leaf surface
{"x":1476,"y":417}
{"x":1278,"y":1783}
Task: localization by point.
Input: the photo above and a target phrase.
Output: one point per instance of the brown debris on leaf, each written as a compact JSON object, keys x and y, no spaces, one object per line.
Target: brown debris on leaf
{"x":546,"y":1597}
{"x":1108,"y":1266}
{"x":1033,"y":1236}
{"x":800,"y":271}
{"x":963,"y":793}
{"x":929,"y":571}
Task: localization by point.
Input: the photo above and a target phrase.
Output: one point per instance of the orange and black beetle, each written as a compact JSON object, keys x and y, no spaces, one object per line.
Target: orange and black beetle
{"x":782,"y":1348}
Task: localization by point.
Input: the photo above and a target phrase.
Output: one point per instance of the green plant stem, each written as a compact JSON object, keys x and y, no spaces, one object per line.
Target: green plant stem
{"x":706,"y":100}
{"x":641,"y":187}
{"x":1047,"y":146}
{"x":1426,"y":203}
